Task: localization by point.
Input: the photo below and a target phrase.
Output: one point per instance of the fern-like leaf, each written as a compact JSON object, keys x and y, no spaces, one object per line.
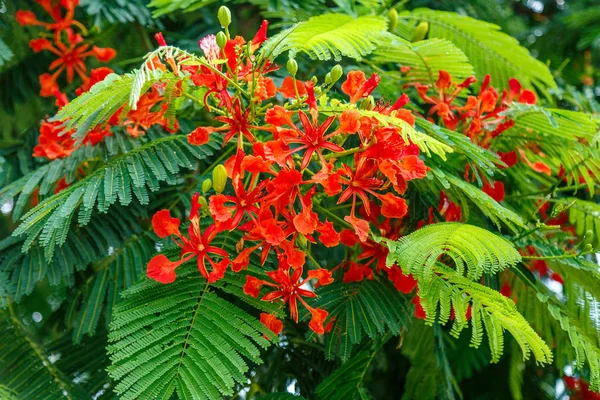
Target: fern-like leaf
{"x":369,"y":308}
{"x":473,"y":250}
{"x":448,"y":291}
{"x":163,"y":340}
{"x":122,"y":178}
{"x":424,"y":58}
{"x":489,"y":50}
{"x":329,"y":36}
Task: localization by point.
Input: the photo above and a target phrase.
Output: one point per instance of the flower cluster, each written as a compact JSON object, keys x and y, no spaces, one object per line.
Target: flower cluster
{"x":480,"y":117}
{"x":293,"y":162}
{"x":64,"y":42}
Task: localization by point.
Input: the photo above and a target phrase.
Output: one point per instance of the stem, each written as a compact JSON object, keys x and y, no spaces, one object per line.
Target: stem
{"x":344,"y":153}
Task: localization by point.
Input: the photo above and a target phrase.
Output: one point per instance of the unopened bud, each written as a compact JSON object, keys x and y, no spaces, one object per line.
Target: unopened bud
{"x":328,"y":78}
{"x":393,"y":17}
{"x":314,"y":80}
{"x":203,"y":203}
{"x":206,"y":185}
{"x":219,"y":178}
{"x":221,"y":39}
{"x":336,"y":73}
{"x":224,"y":16}
{"x":587,"y":247}
{"x":301,"y":241}
{"x":367,"y":103}
{"x":292,"y":66}
{"x":420,"y":31}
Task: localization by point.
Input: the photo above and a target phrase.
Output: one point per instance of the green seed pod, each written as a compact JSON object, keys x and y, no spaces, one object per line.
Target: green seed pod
{"x":221,"y":39}
{"x":206,"y":185}
{"x":420,"y":31}
{"x":292,"y":66}
{"x":393,"y":17}
{"x":336,"y":73}
{"x":224,"y":16}
{"x":219,"y":178}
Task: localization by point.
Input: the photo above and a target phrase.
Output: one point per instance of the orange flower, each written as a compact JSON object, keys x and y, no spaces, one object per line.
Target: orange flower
{"x":164,"y":225}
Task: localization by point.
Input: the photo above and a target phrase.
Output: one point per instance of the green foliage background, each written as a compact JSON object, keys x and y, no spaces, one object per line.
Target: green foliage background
{"x":86,"y":302}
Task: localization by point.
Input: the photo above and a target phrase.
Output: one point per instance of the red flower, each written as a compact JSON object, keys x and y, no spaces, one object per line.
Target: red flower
{"x":237,"y":124}
{"x":271,"y":322}
{"x":306,"y":222}
{"x":322,"y":275}
{"x":197,"y":244}
{"x":357,"y":86}
{"x":199,"y":136}
{"x":393,"y":206}
{"x":288,"y":288}
{"x":522,"y":95}
{"x":52,"y":144}
{"x":312,"y":138}
{"x":357,"y":272}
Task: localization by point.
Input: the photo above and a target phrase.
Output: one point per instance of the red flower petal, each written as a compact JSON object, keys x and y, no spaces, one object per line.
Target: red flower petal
{"x":161,"y":269}
{"x":164,"y":225}
{"x":495,"y":191}
{"x":316,"y":322}
{"x":287,"y":88}
{"x":271,"y":322}
{"x":199,"y":136}
{"x":393,"y":206}
{"x":361,"y":227}
{"x":328,"y":236}
{"x":322,"y":275}
{"x":306,"y":222}
{"x":252,"y":286}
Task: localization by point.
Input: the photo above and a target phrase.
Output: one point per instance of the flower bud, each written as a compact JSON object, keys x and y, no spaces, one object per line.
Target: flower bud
{"x":587,"y":247}
{"x":206,"y":185}
{"x":328,"y":78}
{"x":393,"y":17}
{"x":221,"y":39}
{"x":219,"y":178}
{"x":292,"y":66}
{"x":224,"y":16}
{"x":336,"y":73}
{"x":367,"y":103}
{"x":420,"y":31}
{"x":314,"y":80}
{"x":203,"y":203}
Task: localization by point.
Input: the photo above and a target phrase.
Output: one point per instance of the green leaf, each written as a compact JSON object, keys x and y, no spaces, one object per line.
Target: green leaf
{"x":50,"y":220}
{"x":163,"y":340}
{"x":368,"y":308}
{"x":346,"y":382}
{"x":489,"y":50}
{"x":329,"y":36}
{"x":424,"y":58}
{"x":448,"y":291}
{"x":473,"y":251}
